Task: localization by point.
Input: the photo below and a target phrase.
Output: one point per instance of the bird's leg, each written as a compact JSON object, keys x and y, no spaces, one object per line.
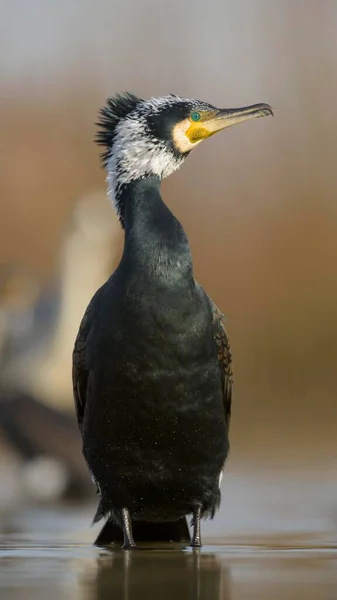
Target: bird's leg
{"x":196,"y":539}
{"x":127,"y":530}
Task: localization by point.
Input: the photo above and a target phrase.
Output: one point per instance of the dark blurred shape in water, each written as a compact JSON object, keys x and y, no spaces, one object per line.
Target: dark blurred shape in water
{"x":152,"y":574}
{"x":37,"y":331}
{"x":36,"y":358}
{"x":48,"y":444}
{"x":28,"y":316}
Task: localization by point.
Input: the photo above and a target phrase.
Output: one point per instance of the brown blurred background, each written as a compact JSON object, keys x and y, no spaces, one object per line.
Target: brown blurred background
{"x":258,"y":202}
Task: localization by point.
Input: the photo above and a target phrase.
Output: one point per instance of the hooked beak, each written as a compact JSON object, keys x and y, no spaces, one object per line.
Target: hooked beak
{"x":222,"y":118}
{"x":188,"y":134}
{"x":226,"y":117}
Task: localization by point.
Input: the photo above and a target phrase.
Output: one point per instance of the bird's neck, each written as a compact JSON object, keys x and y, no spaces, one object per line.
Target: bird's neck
{"x":154,"y":238}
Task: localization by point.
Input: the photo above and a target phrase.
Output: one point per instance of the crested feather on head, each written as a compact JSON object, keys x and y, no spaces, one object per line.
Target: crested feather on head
{"x":116,"y":108}
{"x":136,"y":143}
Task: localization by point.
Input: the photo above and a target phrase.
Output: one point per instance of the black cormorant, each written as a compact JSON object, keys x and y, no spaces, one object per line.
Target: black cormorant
{"x":37,"y":329}
{"x":38,"y":325}
{"x":152,"y":363}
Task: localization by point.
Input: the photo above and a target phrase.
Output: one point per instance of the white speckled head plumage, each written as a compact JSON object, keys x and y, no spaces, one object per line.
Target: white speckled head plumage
{"x":143,"y":138}
{"x":132,"y":149}
{"x":135,"y":152}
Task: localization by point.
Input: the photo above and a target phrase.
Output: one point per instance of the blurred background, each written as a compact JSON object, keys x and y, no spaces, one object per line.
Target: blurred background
{"x":258,"y":203}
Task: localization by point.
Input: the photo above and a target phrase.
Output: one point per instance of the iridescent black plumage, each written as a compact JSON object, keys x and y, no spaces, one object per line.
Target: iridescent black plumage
{"x":152,"y":364}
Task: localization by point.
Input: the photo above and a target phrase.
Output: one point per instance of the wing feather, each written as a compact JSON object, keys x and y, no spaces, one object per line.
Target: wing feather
{"x":225,"y":359}
{"x":80,"y":368}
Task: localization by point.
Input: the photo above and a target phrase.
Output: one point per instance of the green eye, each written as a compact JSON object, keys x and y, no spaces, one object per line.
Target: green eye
{"x":195,"y":116}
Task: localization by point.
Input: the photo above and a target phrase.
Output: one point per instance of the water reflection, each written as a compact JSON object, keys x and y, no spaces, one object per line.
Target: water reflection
{"x":151,"y":574}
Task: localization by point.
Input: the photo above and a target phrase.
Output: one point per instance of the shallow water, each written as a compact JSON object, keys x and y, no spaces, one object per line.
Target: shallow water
{"x":47,"y":553}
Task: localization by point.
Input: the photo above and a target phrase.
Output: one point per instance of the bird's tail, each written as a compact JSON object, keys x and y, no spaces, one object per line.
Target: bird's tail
{"x":169,"y":531}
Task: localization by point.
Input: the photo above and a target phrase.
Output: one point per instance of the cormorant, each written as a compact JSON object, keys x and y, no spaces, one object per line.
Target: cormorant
{"x":38,"y":325}
{"x":152,"y":369}
{"x":45,"y":440}
{"x":37,"y":337}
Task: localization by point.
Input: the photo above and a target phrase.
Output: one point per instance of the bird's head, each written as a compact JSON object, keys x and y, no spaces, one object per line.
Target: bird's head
{"x":153,"y":137}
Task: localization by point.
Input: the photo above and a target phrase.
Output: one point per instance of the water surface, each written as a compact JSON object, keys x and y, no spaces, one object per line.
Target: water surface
{"x":48,"y":554}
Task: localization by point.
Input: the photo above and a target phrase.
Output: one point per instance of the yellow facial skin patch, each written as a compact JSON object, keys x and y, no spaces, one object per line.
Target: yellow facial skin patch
{"x":187,"y":134}
{"x":190,"y":132}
